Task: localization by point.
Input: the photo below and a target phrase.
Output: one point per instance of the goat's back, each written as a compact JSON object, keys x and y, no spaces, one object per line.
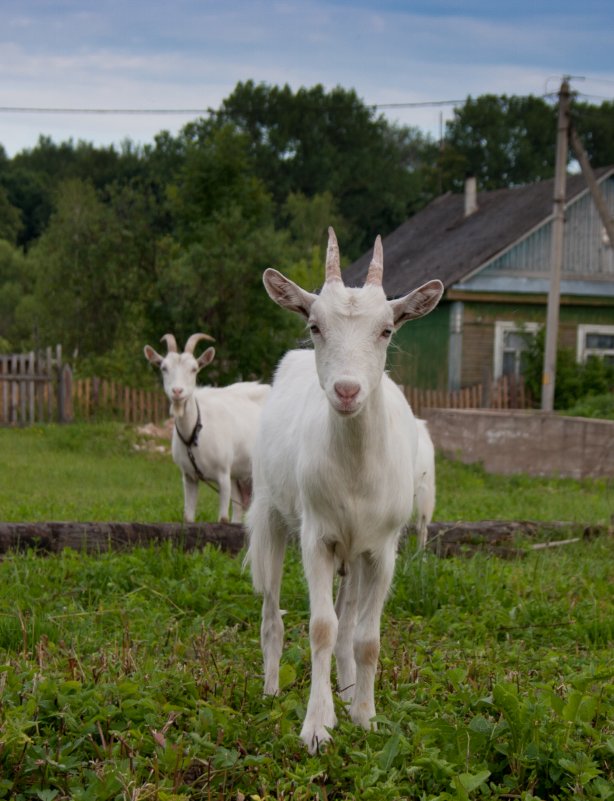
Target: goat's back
{"x":230,"y":417}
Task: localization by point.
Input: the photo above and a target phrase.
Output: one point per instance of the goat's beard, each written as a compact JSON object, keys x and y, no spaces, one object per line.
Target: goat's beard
{"x":178,"y":408}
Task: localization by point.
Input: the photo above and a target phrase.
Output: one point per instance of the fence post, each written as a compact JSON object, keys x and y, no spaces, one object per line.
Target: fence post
{"x":68,"y":389}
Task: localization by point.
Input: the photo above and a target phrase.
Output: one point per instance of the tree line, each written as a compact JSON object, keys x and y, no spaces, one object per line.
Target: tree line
{"x":105,"y":248}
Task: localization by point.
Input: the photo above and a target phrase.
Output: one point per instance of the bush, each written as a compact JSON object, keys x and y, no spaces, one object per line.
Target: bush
{"x":575,"y":382}
{"x":594,"y":406}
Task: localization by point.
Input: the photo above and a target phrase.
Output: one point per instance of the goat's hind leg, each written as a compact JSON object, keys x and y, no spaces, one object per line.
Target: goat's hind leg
{"x":267,"y":546}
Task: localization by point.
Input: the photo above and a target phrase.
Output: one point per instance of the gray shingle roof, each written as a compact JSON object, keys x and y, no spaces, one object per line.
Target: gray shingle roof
{"x":439,"y":242}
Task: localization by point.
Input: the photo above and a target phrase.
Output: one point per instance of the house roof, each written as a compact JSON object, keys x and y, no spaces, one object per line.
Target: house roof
{"x":440,"y":242}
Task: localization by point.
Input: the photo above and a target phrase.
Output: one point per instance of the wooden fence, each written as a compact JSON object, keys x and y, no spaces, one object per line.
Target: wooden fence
{"x":34,"y":387}
{"x":40,"y":388}
{"x":507,"y":392}
{"x":96,"y":399}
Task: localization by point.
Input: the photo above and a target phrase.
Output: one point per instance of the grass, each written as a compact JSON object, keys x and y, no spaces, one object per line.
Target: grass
{"x":100,"y":472}
{"x":137,"y":675}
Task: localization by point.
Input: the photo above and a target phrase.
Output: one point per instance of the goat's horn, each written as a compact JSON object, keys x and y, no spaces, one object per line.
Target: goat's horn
{"x":194,"y":340}
{"x":333,"y":267}
{"x":376,"y":268}
{"x":171,"y":342}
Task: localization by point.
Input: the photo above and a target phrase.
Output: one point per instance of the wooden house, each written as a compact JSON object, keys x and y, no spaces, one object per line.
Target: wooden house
{"x":491,"y":250}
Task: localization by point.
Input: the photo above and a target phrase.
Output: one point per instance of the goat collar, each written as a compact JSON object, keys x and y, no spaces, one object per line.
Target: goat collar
{"x":192,"y":442}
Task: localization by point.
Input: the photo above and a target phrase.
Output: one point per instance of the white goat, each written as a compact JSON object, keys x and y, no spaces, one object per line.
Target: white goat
{"x":424,"y":483}
{"x":228,"y":417}
{"x":334,"y":461}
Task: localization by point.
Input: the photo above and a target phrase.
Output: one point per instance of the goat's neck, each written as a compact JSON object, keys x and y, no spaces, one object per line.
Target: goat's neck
{"x":186,"y":415}
{"x":354,"y":437}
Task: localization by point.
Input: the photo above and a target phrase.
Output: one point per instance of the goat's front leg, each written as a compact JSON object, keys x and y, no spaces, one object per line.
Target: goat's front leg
{"x":345,"y":607}
{"x":318,"y":562}
{"x":190,"y":496}
{"x":375,"y":578}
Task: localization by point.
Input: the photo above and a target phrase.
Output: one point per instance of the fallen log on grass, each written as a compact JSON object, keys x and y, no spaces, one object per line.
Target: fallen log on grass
{"x":506,"y":538}
{"x":97,"y":537}
{"x":502,"y":538}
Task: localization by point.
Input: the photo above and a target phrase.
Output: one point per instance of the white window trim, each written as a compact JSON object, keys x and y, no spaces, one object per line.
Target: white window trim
{"x":582,"y":352}
{"x":503,"y":327}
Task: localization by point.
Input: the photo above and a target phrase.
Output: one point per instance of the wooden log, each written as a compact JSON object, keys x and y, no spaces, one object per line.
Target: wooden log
{"x":53,"y":537}
{"x":500,"y":536}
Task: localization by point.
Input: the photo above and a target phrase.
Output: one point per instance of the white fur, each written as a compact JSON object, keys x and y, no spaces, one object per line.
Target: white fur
{"x":424,"y":485}
{"x":229,"y":418}
{"x":333,"y":462}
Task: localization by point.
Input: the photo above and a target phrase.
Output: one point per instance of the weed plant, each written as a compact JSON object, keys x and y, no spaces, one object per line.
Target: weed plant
{"x":137,"y":675}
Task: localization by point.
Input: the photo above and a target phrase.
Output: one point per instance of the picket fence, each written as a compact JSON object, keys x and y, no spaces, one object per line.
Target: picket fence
{"x":40,"y":388}
{"x":34,"y":387}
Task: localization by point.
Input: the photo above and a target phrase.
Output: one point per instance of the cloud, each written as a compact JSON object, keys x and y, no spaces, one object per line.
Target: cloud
{"x":191,"y":54}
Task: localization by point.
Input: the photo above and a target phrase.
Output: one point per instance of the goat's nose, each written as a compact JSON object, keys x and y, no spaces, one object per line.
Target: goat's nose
{"x":346,"y":390}
{"x":176,"y":392}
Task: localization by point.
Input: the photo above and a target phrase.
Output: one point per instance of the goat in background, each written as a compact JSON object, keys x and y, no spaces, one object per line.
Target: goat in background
{"x":215,"y":427}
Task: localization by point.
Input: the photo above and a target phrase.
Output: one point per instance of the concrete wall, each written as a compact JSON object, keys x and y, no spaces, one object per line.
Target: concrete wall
{"x":532,"y":442}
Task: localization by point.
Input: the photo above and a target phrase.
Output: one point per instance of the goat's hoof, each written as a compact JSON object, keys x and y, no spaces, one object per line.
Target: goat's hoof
{"x":315,"y":737}
{"x":362,"y":715}
{"x":223,"y":520}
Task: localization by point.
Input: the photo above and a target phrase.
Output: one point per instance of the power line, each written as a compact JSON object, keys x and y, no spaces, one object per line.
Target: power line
{"x":189,"y":111}
{"x":132,"y":111}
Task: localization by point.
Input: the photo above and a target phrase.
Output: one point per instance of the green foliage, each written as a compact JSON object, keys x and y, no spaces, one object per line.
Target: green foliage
{"x":600,"y":406}
{"x":136,"y":674}
{"x":503,"y":141}
{"x":125,"y":244}
{"x":575,"y":382}
{"x":16,"y":287}
{"x":137,"y":670}
{"x":313,"y":141}
{"x":105,"y":471}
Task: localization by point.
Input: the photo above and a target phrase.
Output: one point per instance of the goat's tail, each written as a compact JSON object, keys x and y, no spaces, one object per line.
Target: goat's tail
{"x":267,"y":546}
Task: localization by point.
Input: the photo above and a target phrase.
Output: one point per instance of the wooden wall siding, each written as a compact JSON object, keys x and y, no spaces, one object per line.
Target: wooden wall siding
{"x":584,"y":252}
{"x":477,"y":358}
{"x":418,"y":355}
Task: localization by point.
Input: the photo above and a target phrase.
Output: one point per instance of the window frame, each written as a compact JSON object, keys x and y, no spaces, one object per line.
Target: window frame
{"x":503,"y":327}
{"x":582,"y":352}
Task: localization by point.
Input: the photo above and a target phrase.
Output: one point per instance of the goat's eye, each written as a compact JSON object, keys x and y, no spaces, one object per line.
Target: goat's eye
{"x":164,"y":368}
{"x":387,"y":333}
{"x":314,"y":328}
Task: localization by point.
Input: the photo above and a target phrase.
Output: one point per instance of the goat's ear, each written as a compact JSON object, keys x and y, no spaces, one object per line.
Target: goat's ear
{"x":152,"y":356}
{"x":206,"y":357}
{"x":287,"y":294}
{"x":418,"y":303}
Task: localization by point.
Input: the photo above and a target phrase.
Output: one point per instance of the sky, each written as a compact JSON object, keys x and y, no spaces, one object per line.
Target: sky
{"x":93,"y":58}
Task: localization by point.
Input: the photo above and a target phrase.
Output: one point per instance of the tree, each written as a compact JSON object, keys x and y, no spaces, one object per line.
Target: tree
{"x":312,"y":142}
{"x":215,"y":286}
{"x":595,"y":125}
{"x":16,"y":286}
{"x":503,"y":141}
{"x":10,"y":218}
{"x":94,"y":267}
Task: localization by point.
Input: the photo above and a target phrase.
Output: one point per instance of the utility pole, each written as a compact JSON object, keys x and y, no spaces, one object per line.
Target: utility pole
{"x":556,"y":252}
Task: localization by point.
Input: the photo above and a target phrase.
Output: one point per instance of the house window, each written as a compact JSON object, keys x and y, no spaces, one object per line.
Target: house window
{"x":512,"y":341}
{"x":596,"y":340}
